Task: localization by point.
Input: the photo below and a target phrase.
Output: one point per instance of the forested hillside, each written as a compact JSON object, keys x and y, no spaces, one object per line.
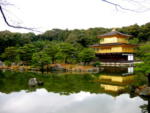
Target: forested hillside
{"x":56,"y":45}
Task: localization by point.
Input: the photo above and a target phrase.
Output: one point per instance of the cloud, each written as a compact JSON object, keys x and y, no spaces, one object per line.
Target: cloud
{"x":42,"y":101}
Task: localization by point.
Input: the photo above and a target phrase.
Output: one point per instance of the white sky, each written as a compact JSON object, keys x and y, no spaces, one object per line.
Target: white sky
{"x":69,"y":14}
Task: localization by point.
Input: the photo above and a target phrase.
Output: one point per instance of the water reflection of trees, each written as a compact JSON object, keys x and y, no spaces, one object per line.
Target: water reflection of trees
{"x":56,"y":82}
{"x":145,"y":108}
{"x":59,"y":83}
{"x":67,"y":83}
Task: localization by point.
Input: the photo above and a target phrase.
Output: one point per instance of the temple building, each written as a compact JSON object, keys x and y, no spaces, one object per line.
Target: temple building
{"x":114,"y":47}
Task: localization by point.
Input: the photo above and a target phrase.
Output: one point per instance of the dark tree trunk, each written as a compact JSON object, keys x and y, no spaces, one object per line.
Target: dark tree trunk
{"x":148,"y":76}
{"x":53,"y":60}
{"x":47,"y":68}
{"x":42,"y":68}
{"x":66,"y":61}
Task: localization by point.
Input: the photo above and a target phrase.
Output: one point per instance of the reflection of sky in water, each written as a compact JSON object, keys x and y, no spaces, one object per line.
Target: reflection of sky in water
{"x":42,"y":101}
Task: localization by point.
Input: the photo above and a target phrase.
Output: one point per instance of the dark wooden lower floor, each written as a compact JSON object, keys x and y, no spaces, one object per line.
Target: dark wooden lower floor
{"x":113,"y":57}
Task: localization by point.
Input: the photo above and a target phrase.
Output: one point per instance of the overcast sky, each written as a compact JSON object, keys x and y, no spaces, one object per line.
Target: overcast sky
{"x":69,"y":14}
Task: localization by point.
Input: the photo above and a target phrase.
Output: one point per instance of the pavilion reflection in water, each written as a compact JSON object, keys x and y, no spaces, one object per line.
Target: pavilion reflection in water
{"x":116,"y":79}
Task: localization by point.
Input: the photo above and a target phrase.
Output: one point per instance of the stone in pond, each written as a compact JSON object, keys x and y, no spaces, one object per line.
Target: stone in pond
{"x":32,"y":82}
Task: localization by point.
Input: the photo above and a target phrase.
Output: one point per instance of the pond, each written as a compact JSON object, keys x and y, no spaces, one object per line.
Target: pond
{"x":105,"y":92}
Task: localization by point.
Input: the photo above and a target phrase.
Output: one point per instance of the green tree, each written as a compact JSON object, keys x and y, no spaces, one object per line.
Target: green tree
{"x":26,"y":53}
{"x":8,"y":39}
{"x":82,"y":37}
{"x":134,"y":41}
{"x":11,"y":55}
{"x":67,"y":52}
{"x":87,"y":55}
{"x":144,"y":67}
{"x":54,"y":34}
{"x":132,"y":30}
{"x":52,"y":49}
{"x":40,"y":44}
{"x":144,"y":34}
{"x":41,"y":59}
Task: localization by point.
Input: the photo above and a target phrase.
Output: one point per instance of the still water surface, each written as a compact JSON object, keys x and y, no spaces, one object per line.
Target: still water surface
{"x":63,"y":93}
{"x":42,"y":101}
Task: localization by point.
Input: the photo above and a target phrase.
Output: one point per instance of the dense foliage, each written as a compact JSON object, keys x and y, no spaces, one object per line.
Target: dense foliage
{"x":65,"y":46}
{"x":143,"y":69}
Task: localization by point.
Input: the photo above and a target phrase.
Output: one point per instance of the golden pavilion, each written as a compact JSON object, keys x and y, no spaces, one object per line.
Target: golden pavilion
{"x":114,"y":47}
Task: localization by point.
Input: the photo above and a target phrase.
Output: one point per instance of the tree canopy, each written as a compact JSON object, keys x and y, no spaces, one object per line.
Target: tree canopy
{"x":64,"y":46}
